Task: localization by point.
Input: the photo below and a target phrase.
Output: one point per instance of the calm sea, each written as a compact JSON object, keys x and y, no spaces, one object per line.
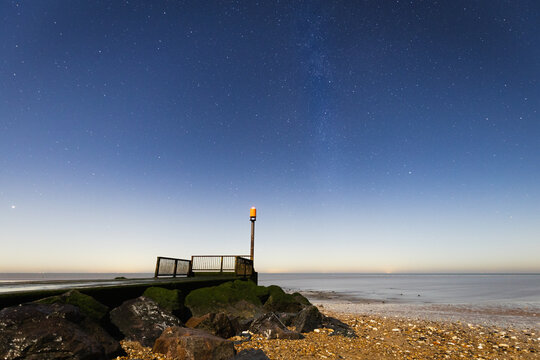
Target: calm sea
{"x":512,"y":290}
{"x":16,"y":282}
{"x":16,"y":277}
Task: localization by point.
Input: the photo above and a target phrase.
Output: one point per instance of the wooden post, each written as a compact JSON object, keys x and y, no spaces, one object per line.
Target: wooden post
{"x":175,"y":267}
{"x":156,"y":273}
{"x":252,"y":218}
{"x":190,"y":269}
{"x":252,"y":253}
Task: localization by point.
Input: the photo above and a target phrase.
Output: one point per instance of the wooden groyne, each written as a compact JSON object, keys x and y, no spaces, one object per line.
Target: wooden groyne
{"x":171,"y":273}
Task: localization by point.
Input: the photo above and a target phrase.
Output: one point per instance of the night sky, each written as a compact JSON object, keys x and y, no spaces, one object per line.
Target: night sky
{"x":373,"y":136}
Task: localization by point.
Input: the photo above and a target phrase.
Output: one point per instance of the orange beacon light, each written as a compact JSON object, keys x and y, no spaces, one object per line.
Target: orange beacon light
{"x":253,"y":214}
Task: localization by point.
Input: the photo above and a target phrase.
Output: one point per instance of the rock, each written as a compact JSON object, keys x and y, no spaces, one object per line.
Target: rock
{"x":308,"y":319}
{"x":193,"y":344}
{"x":279,"y":301}
{"x":270,"y":326}
{"x":251,"y":354}
{"x":53,"y":331}
{"x":142,"y":320}
{"x":169,"y":300}
{"x":287,"y":318}
{"x":217,"y":324}
{"x":339,"y":327}
{"x":301,"y":299}
{"x":87,"y":304}
{"x":238,"y":299}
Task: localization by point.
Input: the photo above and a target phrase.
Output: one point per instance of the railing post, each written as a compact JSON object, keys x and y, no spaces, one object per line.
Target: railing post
{"x":190,"y":268}
{"x":156,"y":273}
{"x":221,"y":267}
{"x":175,"y":267}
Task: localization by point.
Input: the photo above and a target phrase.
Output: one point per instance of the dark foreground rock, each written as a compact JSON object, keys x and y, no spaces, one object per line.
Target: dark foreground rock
{"x":142,"y":320}
{"x":339,"y":327}
{"x":251,"y":354}
{"x":217,"y":324}
{"x":272,"y":328}
{"x":308,"y":319}
{"x":193,"y":344}
{"x":53,"y":331}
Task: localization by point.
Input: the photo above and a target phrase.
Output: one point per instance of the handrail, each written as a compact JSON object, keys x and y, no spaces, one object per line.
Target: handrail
{"x":167,"y":266}
{"x":240,"y":265}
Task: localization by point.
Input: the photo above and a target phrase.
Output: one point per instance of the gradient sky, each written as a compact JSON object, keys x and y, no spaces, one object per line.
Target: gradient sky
{"x":373,"y":136}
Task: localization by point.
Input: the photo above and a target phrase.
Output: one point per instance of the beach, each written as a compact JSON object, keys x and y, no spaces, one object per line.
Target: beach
{"x":399,"y":331}
{"x":384,"y":337}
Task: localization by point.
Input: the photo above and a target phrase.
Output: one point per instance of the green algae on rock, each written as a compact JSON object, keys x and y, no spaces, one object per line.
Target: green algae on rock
{"x":236,"y":297}
{"x":169,"y":300}
{"x":87,"y":304}
{"x":280,"y":301}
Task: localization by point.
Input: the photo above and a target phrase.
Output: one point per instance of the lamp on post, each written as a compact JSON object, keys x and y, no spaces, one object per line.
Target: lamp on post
{"x":252,"y":218}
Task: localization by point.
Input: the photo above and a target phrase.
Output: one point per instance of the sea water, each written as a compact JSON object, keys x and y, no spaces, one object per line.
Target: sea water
{"x":509,"y":290}
{"x":16,"y":282}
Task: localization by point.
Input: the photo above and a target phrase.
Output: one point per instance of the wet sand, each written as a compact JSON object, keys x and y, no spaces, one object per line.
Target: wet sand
{"x":501,"y":316}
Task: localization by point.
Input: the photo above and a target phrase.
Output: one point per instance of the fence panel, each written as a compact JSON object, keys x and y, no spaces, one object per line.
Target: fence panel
{"x":244,"y":267}
{"x":214,"y":263}
{"x":172,"y":267}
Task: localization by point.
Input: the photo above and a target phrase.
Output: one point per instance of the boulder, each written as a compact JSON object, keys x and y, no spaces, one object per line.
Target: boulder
{"x":169,"y":300}
{"x":142,"y":320}
{"x":251,"y":354}
{"x":286,"y":318}
{"x":237,"y":299}
{"x":87,"y":304}
{"x":279,"y":301}
{"x":240,"y":324}
{"x":272,"y":328}
{"x":53,"y":331}
{"x":217,"y":324}
{"x":193,"y":344}
{"x":308,"y":319}
{"x":339,"y":327}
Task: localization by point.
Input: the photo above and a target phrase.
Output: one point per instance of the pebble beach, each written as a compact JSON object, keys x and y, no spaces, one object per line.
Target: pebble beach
{"x":393,"y":334}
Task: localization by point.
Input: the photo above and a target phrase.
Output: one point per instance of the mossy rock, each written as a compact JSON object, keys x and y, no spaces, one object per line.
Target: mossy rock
{"x":169,"y":300}
{"x":87,"y":304}
{"x":301,"y":299}
{"x":279,"y":301}
{"x":239,"y":298}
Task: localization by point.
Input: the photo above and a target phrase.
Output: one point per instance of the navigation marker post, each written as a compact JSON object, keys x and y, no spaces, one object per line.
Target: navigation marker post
{"x":252,"y":218}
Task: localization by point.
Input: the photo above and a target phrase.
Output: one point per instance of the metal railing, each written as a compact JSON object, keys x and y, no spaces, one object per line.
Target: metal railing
{"x":244,"y":267}
{"x":166,"y":266}
{"x":237,"y":264}
{"x":240,"y":265}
